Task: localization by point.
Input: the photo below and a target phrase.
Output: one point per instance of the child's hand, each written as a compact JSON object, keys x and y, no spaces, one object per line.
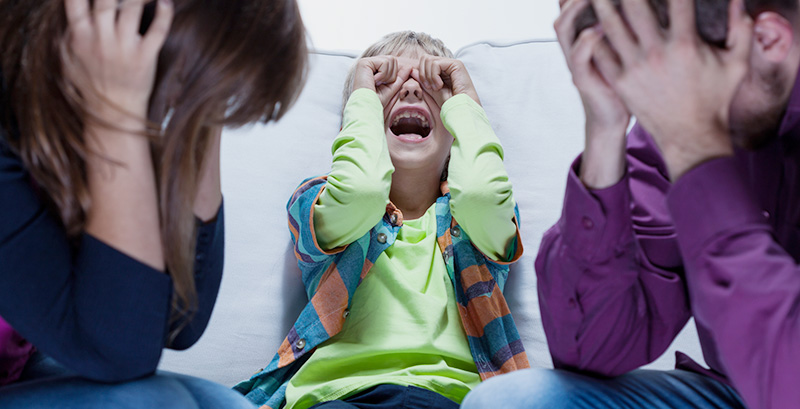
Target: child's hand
{"x":444,"y":77}
{"x":381,"y":74}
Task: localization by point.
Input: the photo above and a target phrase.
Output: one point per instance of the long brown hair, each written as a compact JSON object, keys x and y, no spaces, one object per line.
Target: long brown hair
{"x":225,"y":63}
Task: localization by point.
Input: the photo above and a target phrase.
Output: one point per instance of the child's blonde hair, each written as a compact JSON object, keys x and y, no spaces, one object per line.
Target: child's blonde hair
{"x":396,"y":43}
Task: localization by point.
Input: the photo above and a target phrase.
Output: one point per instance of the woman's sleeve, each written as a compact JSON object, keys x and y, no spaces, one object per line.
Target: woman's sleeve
{"x":481,"y":195}
{"x":209,"y":259}
{"x":357,"y":189}
{"x":96,"y":310}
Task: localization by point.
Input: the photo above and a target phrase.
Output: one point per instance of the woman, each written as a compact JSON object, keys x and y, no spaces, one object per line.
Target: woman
{"x":111,"y":240}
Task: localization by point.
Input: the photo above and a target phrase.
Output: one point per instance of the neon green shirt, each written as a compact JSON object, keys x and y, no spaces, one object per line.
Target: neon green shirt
{"x":403,"y":329}
{"x":404,"y":326}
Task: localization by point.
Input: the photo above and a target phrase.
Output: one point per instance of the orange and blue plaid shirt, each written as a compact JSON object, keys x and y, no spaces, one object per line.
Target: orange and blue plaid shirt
{"x":331,"y":278}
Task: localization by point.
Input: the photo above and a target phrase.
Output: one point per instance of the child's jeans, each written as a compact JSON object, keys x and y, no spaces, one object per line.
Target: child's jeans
{"x":391,"y":397}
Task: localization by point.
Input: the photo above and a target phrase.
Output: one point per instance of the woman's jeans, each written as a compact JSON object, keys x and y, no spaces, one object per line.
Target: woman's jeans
{"x":46,"y":384}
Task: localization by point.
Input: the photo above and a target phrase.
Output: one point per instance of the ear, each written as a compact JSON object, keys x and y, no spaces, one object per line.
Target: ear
{"x":773,"y":37}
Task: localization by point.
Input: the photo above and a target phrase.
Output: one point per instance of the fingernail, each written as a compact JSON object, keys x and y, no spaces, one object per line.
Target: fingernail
{"x":166,"y":2}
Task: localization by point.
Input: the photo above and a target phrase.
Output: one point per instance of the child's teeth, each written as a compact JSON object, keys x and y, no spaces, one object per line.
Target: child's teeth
{"x":409,"y":114}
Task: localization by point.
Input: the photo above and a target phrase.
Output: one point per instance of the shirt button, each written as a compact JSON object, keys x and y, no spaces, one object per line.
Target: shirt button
{"x":393,"y":219}
{"x":381,"y":238}
{"x":588,"y":223}
{"x":455,"y":231}
{"x":346,"y":314}
{"x":300,"y":344}
{"x":766,"y":214}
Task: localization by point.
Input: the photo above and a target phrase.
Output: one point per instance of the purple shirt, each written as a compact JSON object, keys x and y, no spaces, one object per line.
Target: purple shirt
{"x":14,"y":353}
{"x":625,"y":267}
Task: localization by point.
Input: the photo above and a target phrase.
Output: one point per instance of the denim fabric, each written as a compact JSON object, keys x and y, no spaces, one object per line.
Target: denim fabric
{"x":391,"y":397}
{"x":555,"y":389}
{"x":45,"y":384}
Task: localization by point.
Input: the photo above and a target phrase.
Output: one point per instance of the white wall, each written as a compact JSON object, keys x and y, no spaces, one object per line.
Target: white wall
{"x":352,"y":25}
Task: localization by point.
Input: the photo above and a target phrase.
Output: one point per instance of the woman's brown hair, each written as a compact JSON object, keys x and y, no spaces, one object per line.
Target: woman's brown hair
{"x":225,"y":63}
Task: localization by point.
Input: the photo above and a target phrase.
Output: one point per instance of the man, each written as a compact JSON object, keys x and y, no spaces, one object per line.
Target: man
{"x":695,"y":213}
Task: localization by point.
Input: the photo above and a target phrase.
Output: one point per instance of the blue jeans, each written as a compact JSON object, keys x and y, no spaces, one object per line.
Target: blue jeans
{"x":391,"y":397}
{"x":554,"y":389}
{"x":46,"y":384}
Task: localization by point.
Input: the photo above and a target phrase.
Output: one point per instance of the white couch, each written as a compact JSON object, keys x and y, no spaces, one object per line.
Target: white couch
{"x":528,"y":95}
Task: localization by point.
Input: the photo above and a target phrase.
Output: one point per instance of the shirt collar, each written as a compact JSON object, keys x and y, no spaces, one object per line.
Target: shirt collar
{"x":791,"y":118}
{"x":395,"y":216}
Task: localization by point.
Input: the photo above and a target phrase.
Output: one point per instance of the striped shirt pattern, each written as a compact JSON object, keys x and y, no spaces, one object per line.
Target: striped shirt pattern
{"x":331,"y":278}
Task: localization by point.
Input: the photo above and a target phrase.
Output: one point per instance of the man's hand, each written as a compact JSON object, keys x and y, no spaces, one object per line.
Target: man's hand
{"x":444,"y":77}
{"x":607,"y":117}
{"x":678,"y":87}
{"x":381,"y":74}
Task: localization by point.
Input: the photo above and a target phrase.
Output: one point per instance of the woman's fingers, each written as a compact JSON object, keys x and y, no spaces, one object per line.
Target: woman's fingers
{"x":130,"y":17}
{"x":159,"y":29}
{"x":78,"y":14}
{"x":105,"y":16}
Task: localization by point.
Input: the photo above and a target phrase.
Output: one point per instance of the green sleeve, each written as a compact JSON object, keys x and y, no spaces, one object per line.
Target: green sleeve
{"x":481,"y":196}
{"x":357,"y":191}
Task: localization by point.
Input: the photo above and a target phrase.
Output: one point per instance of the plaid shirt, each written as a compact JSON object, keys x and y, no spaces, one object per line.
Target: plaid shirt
{"x":331,"y":278}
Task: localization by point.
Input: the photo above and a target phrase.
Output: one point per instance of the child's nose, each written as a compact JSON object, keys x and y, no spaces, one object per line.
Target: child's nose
{"x":411,"y":89}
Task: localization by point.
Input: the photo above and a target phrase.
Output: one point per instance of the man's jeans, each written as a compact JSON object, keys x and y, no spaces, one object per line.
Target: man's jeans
{"x":554,"y":389}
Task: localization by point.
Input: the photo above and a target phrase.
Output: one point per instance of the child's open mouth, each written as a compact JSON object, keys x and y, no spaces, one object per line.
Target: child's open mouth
{"x":410,"y":124}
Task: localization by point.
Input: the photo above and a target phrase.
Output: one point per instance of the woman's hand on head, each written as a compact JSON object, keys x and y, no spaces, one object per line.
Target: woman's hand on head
{"x":381,"y":74}
{"x":443,"y":78}
{"x":110,"y":63}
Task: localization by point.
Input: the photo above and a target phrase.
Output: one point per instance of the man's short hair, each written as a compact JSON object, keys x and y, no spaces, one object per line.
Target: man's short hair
{"x":396,"y":43}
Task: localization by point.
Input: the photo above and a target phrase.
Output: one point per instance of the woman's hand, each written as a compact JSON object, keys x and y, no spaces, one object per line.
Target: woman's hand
{"x":113,"y":67}
{"x":107,"y":59}
{"x":444,"y":77}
